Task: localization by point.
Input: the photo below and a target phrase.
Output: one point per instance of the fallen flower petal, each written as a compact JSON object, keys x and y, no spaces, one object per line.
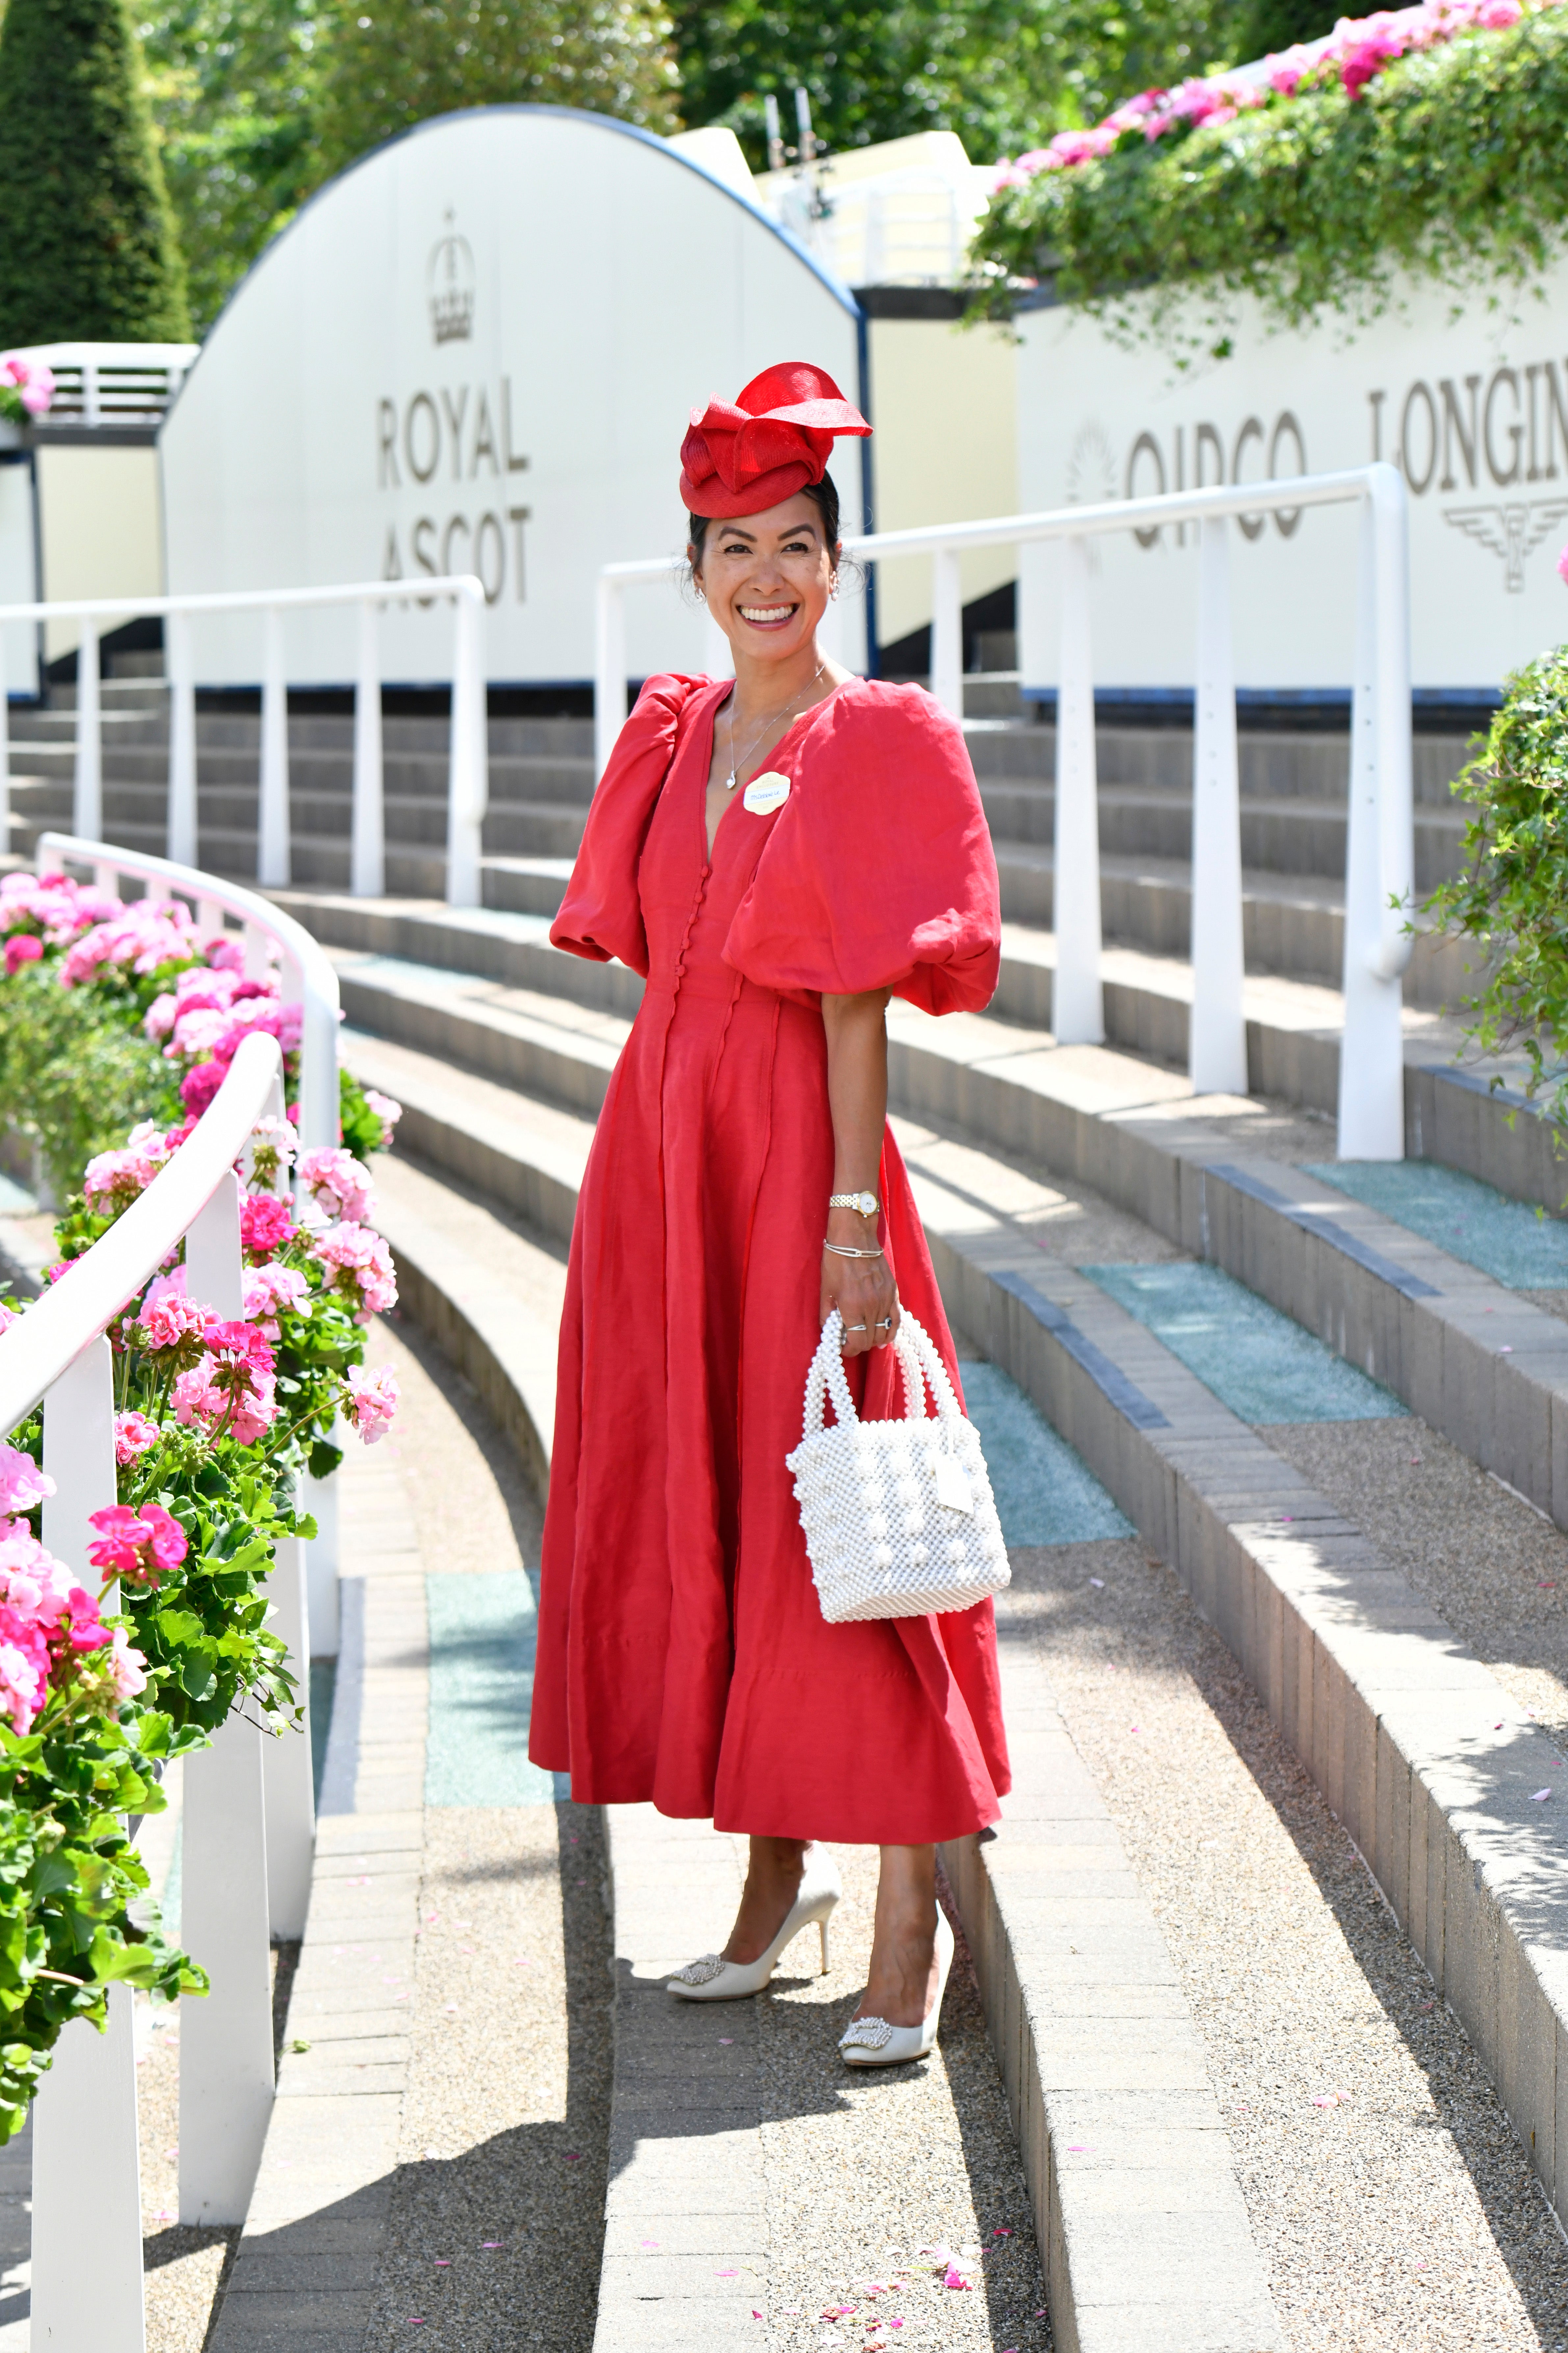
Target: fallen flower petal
{"x":1540,"y":1796}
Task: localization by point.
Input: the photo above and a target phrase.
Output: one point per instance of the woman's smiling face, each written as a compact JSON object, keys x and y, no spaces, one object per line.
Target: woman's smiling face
{"x":767,"y":577}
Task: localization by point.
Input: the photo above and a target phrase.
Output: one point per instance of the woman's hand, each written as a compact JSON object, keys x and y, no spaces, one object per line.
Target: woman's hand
{"x":862,"y":1289}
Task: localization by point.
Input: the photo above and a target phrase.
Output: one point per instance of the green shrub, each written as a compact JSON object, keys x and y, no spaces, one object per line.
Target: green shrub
{"x":74,"y":1076}
{"x":88,"y":249}
{"x":1451,"y":165}
{"x":1513,"y":895}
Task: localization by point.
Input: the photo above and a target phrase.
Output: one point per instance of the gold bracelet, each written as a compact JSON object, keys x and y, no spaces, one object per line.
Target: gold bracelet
{"x":840,"y":1249}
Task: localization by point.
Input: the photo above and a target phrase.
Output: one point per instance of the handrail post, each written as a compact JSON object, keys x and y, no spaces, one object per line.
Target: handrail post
{"x":609,"y":670}
{"x":225,"y":2036}
{"x":468,"y":786}
{"x":273,"y":853}
{"x":85,"y":2153}
{"x":1371,"y":1055}
{"x":947,"y":631}
{"x":1216,"y":1055}
{"x":87,"y":804}
{"x":1077,"y":1010}
{"x":367,"y":850}
{"x":177,"y":664}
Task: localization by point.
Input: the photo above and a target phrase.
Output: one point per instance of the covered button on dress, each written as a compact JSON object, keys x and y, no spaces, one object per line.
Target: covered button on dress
{"x":682,"y":1656}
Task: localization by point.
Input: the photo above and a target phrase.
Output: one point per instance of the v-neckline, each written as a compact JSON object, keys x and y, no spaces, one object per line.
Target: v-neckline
{"x":811,"y":712}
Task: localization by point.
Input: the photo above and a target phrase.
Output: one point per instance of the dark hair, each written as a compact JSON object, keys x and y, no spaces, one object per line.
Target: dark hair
{"x":824,"y":496}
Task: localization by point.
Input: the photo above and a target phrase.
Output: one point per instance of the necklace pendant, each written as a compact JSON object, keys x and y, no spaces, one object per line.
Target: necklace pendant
{"x":730,"y":782}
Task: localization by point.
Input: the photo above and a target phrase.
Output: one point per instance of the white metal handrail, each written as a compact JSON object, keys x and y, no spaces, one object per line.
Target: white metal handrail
{"x":468,"y":752}
{"x":308,"y":976}
{"x":1380,"y":872}
{"x":248,"y":1827}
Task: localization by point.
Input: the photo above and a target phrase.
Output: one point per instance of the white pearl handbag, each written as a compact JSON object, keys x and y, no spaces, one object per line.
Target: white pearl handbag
{"x":898,"y":1516}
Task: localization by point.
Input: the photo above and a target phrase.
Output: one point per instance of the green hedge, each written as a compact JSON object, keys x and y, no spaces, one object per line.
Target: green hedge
{"x":1452,"y":165}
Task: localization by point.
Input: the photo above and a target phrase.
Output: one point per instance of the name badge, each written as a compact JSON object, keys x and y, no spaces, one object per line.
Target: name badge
{"x":952,"y":1486}
{"x":766,"y":793}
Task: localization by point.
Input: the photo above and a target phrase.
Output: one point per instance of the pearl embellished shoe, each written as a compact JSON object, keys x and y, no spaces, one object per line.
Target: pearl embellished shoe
{"x":873,"y":2042}
{"x":713,"y":1980}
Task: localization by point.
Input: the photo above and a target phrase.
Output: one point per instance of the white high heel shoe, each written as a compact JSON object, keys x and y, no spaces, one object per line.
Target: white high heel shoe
{"x":873,"y":2042}
{"x":713,"y":1980}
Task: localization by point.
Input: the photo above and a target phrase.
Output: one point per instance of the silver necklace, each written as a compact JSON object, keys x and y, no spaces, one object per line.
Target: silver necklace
{"x":736,"y":765}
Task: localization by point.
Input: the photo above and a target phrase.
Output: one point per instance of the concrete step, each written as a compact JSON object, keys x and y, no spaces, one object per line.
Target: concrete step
{"x":1429,"y":1758}
{"x":1216,"y":1177}
{"x":1286,"y":835}
{"x":1273,"y":764}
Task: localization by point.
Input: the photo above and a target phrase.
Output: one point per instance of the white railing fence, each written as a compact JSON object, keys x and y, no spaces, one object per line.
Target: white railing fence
{"x":248,"y":1827}
{"x":468,"y":755}
{"x":309,"y":979}
{"x":112,"y":384}
{"x":1380,"y":855}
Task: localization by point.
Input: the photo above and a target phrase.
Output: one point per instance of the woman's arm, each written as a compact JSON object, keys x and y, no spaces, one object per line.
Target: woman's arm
{"x":862,"y":1289}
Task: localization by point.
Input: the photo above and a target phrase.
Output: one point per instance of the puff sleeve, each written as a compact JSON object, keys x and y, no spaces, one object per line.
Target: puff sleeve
{"x":601,"y":915}
{"x":879,"y":871}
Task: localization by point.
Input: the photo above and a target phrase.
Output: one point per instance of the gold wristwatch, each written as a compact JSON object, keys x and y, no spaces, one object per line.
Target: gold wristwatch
{"x":865,"y":1204}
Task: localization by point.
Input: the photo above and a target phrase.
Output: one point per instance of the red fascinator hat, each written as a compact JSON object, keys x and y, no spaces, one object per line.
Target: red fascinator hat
{"x":770,"y":441}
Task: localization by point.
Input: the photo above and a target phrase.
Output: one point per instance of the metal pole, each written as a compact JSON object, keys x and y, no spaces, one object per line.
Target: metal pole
{"x":1372,"y":1059}
{"x":273,"y":860}
{"x":85,"y":2152}
{"x":1077,"y":1012}
{"x":467,"y":787}
{"x":86,"y":811}
{"x":182,"y":739}
{"x":947,"y":631}
{"x":368,"y":852}
{"x":609,"y":670}
{"x":225,"y":2037}
{"x":1216,"y":1055}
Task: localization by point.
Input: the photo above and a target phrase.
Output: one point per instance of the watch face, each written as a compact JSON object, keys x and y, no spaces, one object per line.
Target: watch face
{"x":866,"y":1205}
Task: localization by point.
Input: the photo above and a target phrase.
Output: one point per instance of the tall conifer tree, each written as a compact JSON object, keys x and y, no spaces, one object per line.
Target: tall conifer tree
{"x":88,"y":247}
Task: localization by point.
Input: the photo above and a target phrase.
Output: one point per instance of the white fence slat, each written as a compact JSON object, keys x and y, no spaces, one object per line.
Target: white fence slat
{"x":225,"y":2036}
{"x":1216,"y":1055}
{"x":85,"y":2155}
{"x":1077,"y":1011}
{"x":290,"y":1807}
{"x":86,"y":2181}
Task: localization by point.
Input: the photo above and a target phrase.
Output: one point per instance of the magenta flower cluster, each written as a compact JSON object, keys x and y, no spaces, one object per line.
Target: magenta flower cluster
{"x":1356,"y":53}
{"x":50,"y":1629}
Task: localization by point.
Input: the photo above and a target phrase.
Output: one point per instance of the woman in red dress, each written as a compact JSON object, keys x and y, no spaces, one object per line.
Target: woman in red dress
{"x":777,"y":855}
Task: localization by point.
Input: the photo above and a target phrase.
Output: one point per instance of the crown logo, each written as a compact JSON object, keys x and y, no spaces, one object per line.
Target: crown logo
{"x":450,"y":280}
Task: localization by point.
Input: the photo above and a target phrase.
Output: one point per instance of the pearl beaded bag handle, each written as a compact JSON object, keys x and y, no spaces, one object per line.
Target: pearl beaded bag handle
{"x":899,"y":1515}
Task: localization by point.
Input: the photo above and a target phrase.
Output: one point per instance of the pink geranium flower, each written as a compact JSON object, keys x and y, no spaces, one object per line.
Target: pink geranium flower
{"x":139,"y":1545}
{"x":22,"y":1483}
{"x":372,"y":1401}
{"x":271,"y":1289}
{"x":22,"y":947}
{"x":338,"y":1183}
{"x":134,"y":1435}
{"x":361,"y":1267}
{"x":264,"y":1224}
{"x":165,"y":1321}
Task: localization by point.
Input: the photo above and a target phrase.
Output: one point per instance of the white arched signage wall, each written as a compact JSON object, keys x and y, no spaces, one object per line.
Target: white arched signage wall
{"x":477,"y":351}
{"x":1473,"y":407}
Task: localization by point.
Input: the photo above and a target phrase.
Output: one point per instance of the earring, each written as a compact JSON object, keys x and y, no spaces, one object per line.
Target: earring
{"x":833,"y":587}
{"x":701,"y":593}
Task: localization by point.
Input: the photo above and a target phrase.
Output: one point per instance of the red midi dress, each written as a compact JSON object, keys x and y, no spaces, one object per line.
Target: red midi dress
{"x":682,"y":1656}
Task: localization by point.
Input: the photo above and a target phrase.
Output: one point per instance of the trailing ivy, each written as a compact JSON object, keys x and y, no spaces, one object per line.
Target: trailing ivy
{"x":1451,"y":165}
